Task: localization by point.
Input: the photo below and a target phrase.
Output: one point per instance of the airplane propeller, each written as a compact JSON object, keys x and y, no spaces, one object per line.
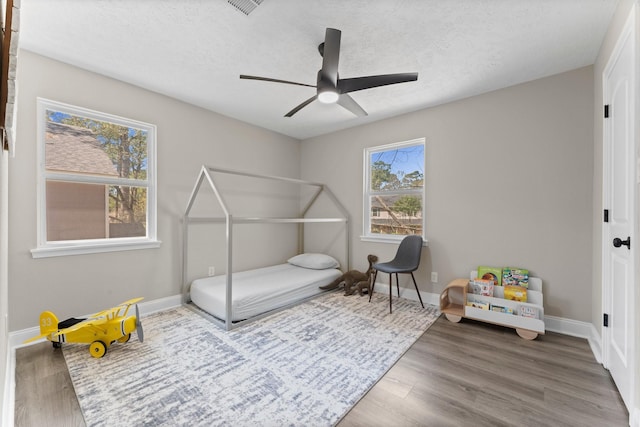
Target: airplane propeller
{"x":139,"y":330}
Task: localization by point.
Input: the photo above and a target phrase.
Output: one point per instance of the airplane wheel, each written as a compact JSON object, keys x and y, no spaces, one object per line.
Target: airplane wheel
{"x":97,"y":349}
{"x":125,"y":338}
{"x":56,"y":344}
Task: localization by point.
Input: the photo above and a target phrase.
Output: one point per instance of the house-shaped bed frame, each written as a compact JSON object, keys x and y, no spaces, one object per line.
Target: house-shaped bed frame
{"x":207,"y":174}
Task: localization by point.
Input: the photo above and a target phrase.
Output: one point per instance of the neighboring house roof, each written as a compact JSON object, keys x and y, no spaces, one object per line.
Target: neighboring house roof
{"x":75,"y":149}
{"x":389,"y":200}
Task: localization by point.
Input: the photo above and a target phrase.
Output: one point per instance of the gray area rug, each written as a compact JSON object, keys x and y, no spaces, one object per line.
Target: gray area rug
{"x":304,"y":366}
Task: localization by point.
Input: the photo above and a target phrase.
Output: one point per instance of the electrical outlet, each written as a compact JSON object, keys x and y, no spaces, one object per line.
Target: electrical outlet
{"x":212,"y":271}
{"x":434,"y":277}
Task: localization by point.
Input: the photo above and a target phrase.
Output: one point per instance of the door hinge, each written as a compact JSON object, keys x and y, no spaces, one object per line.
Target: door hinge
{"x":605,"y":320}
{"x":606,"y":215}
{"x":606,"y":111}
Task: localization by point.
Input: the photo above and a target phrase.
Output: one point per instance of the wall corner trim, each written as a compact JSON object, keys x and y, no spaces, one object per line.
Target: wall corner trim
{"x":576,"y":328}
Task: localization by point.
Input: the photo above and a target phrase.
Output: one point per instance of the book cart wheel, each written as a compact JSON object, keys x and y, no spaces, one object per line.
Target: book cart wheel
{"x":527,"y":334}
{"x":453,"y":318}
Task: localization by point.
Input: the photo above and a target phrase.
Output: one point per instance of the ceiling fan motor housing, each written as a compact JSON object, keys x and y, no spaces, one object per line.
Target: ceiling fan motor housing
{"x":329,"y":87}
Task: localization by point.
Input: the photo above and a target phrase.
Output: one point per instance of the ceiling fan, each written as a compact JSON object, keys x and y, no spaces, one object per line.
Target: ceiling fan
{"x":330,"y":87}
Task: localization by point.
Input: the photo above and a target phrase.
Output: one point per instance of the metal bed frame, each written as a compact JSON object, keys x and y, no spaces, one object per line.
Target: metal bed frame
{"x":207,"y":174}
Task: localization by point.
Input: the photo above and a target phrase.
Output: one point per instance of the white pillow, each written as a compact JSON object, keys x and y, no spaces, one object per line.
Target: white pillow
{"x":314,"y":261}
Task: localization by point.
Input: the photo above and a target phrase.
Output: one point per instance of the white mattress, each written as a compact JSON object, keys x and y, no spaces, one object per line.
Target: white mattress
{"x":260,"y":290}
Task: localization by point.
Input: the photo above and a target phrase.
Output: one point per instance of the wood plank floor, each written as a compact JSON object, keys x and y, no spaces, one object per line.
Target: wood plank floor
{"x":464,"y":374}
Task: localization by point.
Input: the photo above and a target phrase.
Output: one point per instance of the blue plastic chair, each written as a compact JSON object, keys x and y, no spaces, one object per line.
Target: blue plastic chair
{"x":407,"y":261}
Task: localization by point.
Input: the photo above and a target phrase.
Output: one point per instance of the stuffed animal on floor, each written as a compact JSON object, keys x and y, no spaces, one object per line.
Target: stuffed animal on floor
{"x":364,"y":286}
{"x":354,"y":279}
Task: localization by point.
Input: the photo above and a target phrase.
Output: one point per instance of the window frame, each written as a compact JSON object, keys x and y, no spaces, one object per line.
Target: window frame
{"x":86,"y":246}
{"x":367,"y":236}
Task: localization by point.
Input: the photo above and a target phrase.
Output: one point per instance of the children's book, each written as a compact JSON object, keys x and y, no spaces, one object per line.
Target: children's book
{"x":501,"y":309}
{"x":491,"y":273}
{"x":515,"y":277}
{"x":515,"y":293}
{"x":477,"y":304}
{"x":481,"y":287}
{"x":528,"y":311}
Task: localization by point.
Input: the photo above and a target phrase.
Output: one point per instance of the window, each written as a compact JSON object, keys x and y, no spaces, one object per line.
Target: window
{"x":394,"y":191}
{"x":96,"y":189}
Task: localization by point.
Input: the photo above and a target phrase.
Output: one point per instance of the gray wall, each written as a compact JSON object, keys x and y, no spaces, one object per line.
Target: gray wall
{"x":187,"y":137}
{"x":508,"y":183}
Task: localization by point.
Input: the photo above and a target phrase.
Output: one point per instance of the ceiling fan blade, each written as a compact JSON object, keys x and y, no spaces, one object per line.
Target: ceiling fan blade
{"x":350,"y":104}
{"x":368,"y":82}
{"x":267,"y":79}
{"x":330,"y":56}
{"x":301,"y":106}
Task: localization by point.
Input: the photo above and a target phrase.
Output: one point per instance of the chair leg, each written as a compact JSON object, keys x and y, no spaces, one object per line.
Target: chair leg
{"x":398,"y":285}
{"x":414,"y":284}
{"x":390,"y":289}
{"x":375,"y":275}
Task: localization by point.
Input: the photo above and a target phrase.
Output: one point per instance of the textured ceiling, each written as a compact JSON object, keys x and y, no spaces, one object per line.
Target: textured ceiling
{"x":194,"y":50}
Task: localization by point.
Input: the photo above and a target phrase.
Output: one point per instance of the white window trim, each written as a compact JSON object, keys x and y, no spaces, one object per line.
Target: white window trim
{"x":366,"y":193}
{"x":72,"y":247}
{"x":89,"y":246}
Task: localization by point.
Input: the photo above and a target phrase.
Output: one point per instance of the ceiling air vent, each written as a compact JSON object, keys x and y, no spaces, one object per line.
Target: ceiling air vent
{"x":245,"y":6}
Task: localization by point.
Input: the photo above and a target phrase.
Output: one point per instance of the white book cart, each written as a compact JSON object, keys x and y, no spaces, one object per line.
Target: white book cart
{"x":454,"y":299}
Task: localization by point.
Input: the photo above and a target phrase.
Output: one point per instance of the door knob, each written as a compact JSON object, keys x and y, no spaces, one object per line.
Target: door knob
{"x":617,"y":242}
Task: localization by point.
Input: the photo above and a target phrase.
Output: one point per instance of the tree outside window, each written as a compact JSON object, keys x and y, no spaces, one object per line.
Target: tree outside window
{"x":97,"y":176}
{"x":394,"y":189}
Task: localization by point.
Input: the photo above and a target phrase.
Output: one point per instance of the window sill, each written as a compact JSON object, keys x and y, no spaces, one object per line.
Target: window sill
{"x":66,"y":249}
{"x":388,"y":239}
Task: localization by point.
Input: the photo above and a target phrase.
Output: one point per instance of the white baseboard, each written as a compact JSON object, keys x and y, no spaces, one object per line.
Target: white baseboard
{"x":427,"y":297}
{"x":555,"y":324}
{"x":161,"y":304}
{"x":17,"y":338}
{"x":578,"y":329}
{"x":595,"y":342}
{"x":560,"y":325}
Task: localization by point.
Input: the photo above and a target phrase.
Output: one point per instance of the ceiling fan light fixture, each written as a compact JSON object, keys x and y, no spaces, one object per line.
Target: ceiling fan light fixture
{"x":328,"y":96}
{"x":330,"y":88}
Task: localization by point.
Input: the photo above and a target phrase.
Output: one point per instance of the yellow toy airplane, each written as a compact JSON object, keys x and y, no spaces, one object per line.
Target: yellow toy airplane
{"x":99,"y":330}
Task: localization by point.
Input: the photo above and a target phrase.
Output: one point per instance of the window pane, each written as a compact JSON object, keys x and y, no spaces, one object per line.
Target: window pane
{"x":83,"y":145}
{"x":97,"y":181}
{"x":394,"y":190}
{"x":396,"y":214}
{"x":78,"y":211}
{"x":127,"y":211}
{"x":398,"y":168}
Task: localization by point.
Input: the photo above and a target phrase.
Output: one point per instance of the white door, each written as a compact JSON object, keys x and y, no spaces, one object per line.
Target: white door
{"x":619,"y":239}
